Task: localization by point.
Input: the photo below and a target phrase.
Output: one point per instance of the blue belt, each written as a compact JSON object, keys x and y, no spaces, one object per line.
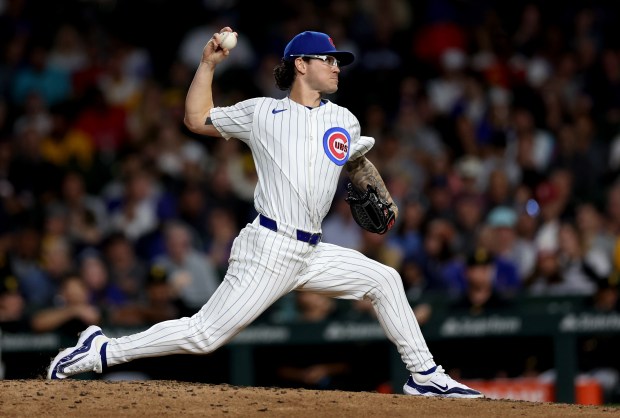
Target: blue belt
{"x":312,"y":239}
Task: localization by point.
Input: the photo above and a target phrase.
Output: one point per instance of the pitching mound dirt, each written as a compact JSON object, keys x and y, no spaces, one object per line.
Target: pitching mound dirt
{"x":86,"y":398}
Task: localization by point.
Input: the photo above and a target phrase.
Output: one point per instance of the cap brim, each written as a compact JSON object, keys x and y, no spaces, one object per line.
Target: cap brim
{"x":344,"y":57}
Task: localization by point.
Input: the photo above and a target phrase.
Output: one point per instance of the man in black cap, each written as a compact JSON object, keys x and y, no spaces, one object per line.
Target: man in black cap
{"x":480,"y":294}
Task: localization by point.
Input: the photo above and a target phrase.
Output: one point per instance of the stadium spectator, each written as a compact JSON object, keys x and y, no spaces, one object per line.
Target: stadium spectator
{"x":136,"y":213}
{"x":71,"y":312}
{"x":467,"y":175}
{"x":499,"y":191}
{"x":507,"y":244}
{"x":413,"y":280}
{"x":567,"y":268}
{"x":126,"y":270}
{"x":64,"y":146}
{"x":193,"y":208}
{"x":469,"y":211}
{"x":590,"y":223}
{"x":339,"y":227}
{"x":177,"y":157}
{"x":436,"y":255}
{"x":159,"y":303}
{"x":547,"y":273}
{"x":480,"y":294}
{"x":120,"y":88}
{"x":87,"y":217}
{"x":500,"y":174}
{"x":36,"y":115}
{"x":29,"y":190}
{"x":407,"y":233}
{"x":68,"y":50}
{"x":191,"y":273}
{"x":104,"y":123}
{"x":56,"y":263}
{"x":505,"y":275}
{"x":83,"y":80}
{"x":533,"y":146}
{"x":53,"y":84}
{"x":576,"y":261}
{"x":102,"y":292}
{"x":26,"y":262}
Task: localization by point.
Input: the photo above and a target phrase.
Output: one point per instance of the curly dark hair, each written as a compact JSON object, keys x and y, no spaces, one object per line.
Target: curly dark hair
{"x":284,"y":74}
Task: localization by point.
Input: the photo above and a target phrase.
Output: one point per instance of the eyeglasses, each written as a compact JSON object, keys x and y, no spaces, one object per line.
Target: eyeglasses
{"x":327,"y":59}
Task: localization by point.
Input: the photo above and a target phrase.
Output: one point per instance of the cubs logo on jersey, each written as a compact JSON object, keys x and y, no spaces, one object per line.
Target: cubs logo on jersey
{"x":336,"y":143}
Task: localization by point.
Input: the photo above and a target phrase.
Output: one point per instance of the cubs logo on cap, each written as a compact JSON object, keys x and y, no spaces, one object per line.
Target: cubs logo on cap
{"x":315,"y":43}
{"x":337,"y":143}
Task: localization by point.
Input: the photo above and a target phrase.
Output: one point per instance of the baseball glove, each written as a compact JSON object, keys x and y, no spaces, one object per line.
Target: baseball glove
{"x":370,"y":211}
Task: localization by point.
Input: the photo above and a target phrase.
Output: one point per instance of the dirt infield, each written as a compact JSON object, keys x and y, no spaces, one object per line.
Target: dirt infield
{"x":85,"y":398}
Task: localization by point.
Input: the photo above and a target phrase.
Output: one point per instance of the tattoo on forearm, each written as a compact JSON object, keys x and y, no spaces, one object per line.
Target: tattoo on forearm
{"x":208,"y":121}
{"x":363,"y":173}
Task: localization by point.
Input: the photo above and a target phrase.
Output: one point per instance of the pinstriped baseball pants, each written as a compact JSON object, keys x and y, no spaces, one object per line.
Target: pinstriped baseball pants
{"x":264,"y":266}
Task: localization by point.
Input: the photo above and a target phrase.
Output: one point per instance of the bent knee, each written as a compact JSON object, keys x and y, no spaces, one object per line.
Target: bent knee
{"x":388,"y":278}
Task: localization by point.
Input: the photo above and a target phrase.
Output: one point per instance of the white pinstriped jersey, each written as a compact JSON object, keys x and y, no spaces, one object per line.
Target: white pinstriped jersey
{"x":298,"y":153}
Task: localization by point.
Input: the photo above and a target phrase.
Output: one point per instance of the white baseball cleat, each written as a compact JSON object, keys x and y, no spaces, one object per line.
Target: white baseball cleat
{"x":435,"y":382}
{"x":84,"y":357}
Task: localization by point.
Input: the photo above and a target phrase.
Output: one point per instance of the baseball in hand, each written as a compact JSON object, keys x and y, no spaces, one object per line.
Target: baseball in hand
{"x":227,"y":40}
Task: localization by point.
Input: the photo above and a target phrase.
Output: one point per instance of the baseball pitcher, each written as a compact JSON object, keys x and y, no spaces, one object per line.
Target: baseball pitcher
{"x":299,"y":144}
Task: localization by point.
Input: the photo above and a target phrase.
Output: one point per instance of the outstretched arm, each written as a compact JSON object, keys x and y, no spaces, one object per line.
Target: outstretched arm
{"x":363,"y":173}
{"x":199,"y":100}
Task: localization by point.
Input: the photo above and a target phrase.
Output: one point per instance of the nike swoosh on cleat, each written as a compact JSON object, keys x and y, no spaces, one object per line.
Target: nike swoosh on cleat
{"x":274,"y":111}
{"x":444,"y":388}
{"x":61,"y":366}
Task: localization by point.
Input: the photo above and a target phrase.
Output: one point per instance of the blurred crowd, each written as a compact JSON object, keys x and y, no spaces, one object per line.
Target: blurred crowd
{"x":497,"y":132}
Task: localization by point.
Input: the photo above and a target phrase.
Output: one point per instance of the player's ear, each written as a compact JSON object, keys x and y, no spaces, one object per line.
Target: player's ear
{"x":301,"y":65}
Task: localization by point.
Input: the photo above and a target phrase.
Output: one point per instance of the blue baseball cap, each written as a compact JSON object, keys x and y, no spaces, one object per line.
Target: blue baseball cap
{"x":315,"y":43}
{"x":502,"y":216}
